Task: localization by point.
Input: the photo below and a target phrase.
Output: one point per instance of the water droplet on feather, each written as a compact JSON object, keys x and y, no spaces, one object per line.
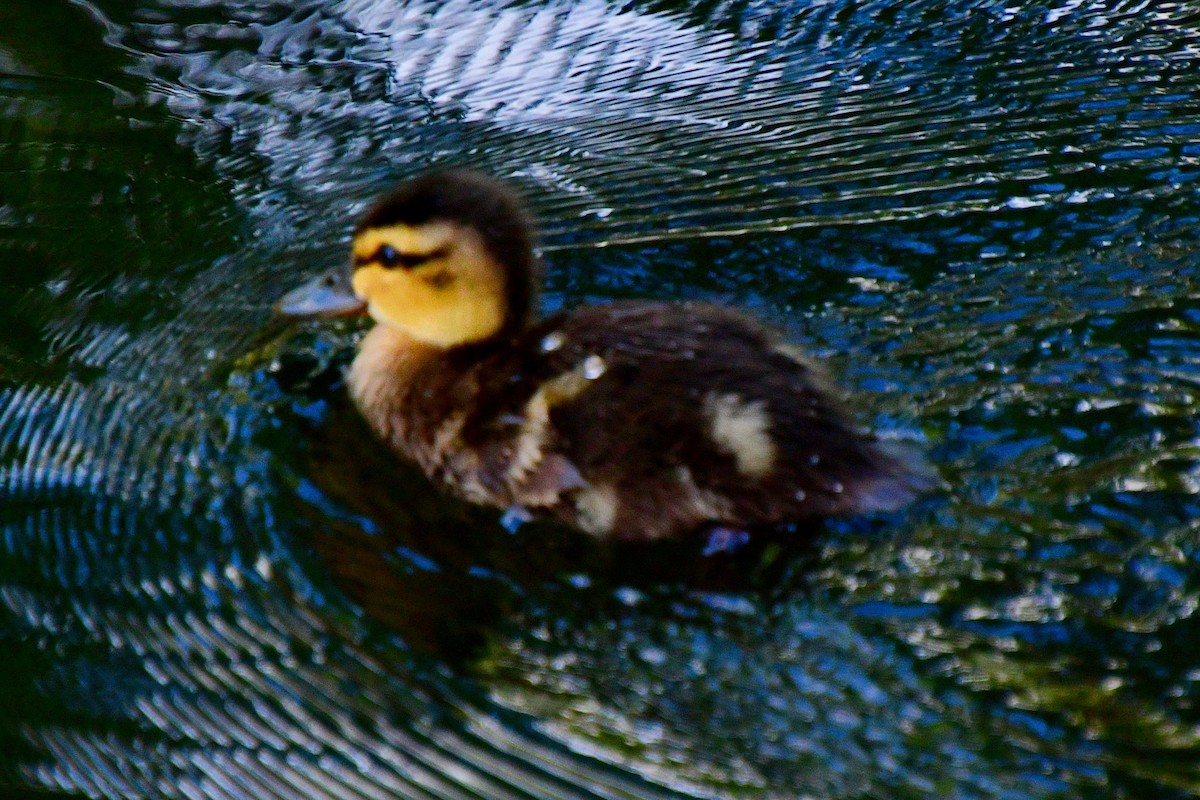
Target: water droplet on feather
{"x":594,"y":367}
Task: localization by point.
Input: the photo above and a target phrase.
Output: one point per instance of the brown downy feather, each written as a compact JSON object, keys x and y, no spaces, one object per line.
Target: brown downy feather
{"x":644,"y":420}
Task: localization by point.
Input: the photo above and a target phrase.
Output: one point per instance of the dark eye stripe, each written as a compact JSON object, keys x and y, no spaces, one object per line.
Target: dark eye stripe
{"x":389,"y":257}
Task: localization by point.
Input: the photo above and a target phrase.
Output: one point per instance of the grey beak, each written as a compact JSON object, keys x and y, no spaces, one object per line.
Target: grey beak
{"x":326,"y":295}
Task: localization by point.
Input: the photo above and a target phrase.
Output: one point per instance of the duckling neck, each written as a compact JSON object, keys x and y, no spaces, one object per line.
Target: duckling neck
{"x":389,"y":368}
{"x":406,"y":389}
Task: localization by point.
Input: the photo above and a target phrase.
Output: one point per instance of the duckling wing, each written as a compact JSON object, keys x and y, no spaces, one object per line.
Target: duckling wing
{"x":660,"y":417}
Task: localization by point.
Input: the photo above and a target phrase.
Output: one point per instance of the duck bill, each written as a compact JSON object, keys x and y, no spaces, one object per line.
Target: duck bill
{"x":326,"y":295}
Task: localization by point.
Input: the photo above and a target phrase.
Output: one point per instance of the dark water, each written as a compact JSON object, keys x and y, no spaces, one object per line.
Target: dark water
{"x":984,"y":214}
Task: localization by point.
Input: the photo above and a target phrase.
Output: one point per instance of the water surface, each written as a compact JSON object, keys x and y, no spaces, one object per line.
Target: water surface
{"x":215,"y":585}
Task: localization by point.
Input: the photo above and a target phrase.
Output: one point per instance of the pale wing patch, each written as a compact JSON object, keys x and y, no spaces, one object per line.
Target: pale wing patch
{"x":597,"y":507}
{"x":535,"y":427}
{"x":705,"y":505}
{"x":741,"y":428}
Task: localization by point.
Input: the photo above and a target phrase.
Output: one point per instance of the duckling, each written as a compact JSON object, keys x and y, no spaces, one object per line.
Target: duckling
{"x":631,"y":419}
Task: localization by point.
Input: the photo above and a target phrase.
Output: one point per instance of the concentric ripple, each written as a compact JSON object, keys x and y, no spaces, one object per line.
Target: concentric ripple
{"x":215,"y":585}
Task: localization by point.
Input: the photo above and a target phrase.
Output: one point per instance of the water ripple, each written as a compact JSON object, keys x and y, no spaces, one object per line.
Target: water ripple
{"x":984,"y":211}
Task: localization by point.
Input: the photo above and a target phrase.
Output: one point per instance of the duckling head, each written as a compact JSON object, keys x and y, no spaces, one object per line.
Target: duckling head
{"x":447,"y":259}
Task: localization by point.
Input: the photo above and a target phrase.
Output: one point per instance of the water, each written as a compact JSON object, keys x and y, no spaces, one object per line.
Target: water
{"x":213,"y":584}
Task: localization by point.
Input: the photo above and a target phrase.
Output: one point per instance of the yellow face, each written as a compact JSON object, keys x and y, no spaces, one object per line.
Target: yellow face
{"x":435,"y":282}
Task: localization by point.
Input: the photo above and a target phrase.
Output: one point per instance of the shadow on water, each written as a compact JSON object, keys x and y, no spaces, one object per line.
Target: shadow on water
{"x":215,"y":584}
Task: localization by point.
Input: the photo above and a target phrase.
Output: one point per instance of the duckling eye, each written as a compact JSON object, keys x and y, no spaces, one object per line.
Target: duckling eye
{"x":386,"y":256}
{"x":389,"y":257}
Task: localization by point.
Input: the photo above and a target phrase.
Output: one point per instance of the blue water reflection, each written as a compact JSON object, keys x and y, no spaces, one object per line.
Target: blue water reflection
{"x":215,"y":585}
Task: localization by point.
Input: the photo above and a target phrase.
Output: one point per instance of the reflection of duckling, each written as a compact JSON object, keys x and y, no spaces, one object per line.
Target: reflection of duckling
{"x":632,"y":419}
